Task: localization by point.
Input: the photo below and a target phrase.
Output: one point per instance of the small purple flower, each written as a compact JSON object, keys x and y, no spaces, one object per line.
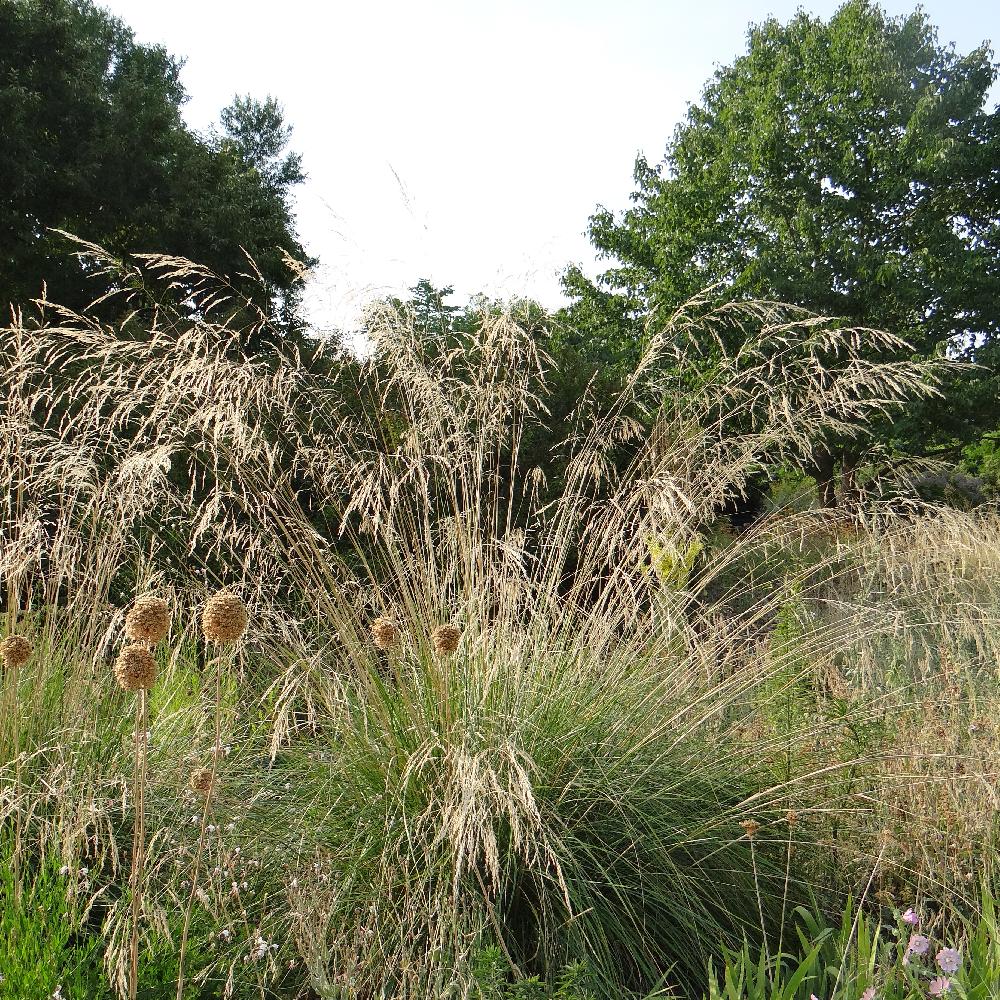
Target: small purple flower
{"x":918,"y":945}
{"x":910,"y":917}
{"x":949,"y":960}
{"x":939,"y":986}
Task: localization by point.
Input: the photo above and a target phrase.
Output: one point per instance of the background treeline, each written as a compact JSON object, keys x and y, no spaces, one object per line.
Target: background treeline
{"x":848,"y":166}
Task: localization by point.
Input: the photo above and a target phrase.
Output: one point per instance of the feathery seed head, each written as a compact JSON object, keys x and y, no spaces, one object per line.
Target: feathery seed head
{"x":135,"y":668}
{"x":384,"y":633}
{"x":148,"y":620}
{"x":445,"y":639}
{"x":224,"y":618}
{"x":750,"y":827}
{"x":15,"y":650}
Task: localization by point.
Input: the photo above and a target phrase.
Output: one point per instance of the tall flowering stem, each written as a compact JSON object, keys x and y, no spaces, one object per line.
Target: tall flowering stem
{"x":138,"y":838}
{"x":135,"y":671}
{"x":751,"y":828}
{"x":791,"y":820}
{"x":15,"y":651}
{"x":223,"y":622}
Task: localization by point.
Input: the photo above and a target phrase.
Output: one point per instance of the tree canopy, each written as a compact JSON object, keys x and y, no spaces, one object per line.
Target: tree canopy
{"x":95,"y":145}
{"x":849,"y":166}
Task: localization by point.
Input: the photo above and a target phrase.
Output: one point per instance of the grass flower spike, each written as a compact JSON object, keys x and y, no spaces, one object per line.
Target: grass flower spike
{"x":224,"y":618}
{"x":135,"y":668}
{"x":148,"y":621}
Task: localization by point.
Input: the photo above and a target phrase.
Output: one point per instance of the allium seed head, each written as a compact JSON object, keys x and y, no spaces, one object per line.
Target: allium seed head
{"x":15,"y":650}
{"x":224,"y":618}
{"x":135,"y":668}
{"x":148,"y":620}
{"x":445,"y":639}
{"x":750,"y":827}
{"x":201,"y":780}
{"x":384,"y":633}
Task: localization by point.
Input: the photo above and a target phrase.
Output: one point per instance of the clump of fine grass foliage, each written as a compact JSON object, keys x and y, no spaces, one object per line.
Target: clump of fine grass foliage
{"x":498,"y":707}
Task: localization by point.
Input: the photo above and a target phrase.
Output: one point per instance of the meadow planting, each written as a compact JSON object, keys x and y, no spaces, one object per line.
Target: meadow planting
{"x":330,"y":675}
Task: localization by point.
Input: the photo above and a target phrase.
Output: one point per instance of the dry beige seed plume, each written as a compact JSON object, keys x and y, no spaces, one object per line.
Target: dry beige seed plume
{"x":201,"y":780}
{"x":135,"y":668}
{"x":750,"y":827}
{"x":15,"y":650}
{"x":384,"y":633}
{"x":148,"y":620}
{"x":445,"y":639}
{"x":224,"y":618}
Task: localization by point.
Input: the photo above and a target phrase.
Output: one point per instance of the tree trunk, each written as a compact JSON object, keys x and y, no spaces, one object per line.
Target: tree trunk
{"x":848,"y":479}
{"x":823,"y":473}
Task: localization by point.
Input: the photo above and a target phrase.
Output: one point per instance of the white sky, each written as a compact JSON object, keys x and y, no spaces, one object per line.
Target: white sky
{"x":467,"y":142}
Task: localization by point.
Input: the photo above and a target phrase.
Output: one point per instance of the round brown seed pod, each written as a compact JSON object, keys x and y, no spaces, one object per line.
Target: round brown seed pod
{"x":445,"y":639}
{"x":135,"y":668}
{"x":148,"y":620}
{"x":15,"y":650}
{"x":384,"y":633}
{"x":224,"y":618}
{"x":201,"y":780}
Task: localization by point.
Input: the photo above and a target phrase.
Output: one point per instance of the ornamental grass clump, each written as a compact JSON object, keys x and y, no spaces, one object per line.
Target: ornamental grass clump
{"x":573,"y":792}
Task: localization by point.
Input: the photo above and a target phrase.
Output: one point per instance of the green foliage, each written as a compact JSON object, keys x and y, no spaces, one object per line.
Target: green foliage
{"x":42,"y":939}
{"x":828,"y":167}
{"x":492,"y":981}
{"x":561,"y":812}
{"x":673,"y":564}
{"x":861,"y":958}
{"x":123,"y":170}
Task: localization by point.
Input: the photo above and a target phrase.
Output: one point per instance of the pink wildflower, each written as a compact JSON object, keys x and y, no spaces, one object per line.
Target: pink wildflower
{"x":918,"y":945}
{"x":910,"y":917}
{"x":939,"y":986}
{"x":949,"y":960}
{"x":869,"y":994}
